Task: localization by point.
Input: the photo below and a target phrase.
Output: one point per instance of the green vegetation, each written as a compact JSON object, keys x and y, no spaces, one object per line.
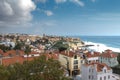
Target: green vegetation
{"x":60,"y":45}
{"x":118,"y":58}
{"x":5,"y":48}
{"x":19,"y":45}
{"x":38,"y":69}
{"x":116,"y":69}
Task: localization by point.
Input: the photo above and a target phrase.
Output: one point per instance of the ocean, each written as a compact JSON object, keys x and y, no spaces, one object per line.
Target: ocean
{"x":102,"y":43}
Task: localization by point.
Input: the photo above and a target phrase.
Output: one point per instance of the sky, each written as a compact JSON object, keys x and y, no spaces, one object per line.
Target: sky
{"x":60,"y":17}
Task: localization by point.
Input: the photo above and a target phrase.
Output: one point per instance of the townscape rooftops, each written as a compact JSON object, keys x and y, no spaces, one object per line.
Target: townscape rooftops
{"x":52,"y":55}
{"x":16,"y":59}
{"x":1,"y":51}
{"x":99,"y":66}
{"x":69,"y":53}
{"x":108,"y":54}
{"x":13,"y":53}
{"x":92,"y":54}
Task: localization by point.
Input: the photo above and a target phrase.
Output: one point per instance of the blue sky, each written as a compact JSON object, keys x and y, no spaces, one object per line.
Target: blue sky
{"x":60,"y":17}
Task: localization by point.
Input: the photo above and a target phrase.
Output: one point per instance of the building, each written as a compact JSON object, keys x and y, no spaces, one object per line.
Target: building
{"x":71,"y":61}
{"x":18,"y":56}
{"x":109,"y":58}
{"x":97,"y":71}
{"x":92,"y":56}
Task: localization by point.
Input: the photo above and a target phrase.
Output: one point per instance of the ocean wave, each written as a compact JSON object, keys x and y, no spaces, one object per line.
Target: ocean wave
{"x":100,"y":47}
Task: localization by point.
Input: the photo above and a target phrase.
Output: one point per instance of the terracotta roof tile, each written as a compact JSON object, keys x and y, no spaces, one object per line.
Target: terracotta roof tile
{"x":1,"y":51}
{"x":92,"y":54}
{"x":108,"y":54}
{"x":16,"y":59}
{"x":99,"y":66}
{"x":13,"y":53}
{"x":52,"y":55}
{"x":68,"y":53}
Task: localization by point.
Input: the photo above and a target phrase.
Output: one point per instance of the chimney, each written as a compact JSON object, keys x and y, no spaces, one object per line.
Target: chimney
{"x":92,"y":52}
{"x":68,"y":52}
{"x":65,"y":52}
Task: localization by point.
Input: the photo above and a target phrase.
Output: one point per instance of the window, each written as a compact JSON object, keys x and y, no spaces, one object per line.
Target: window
{"x":108,"y":76}
{"x":104,"y":70}
{"x":10,"y":55}
{"x":89,"y":61}
{"x":1,"y":55}
{"x":104,"y":77}
{"x":75,"y":61}
{"x":89,"y":77}
{"x":76,"y":67}
{"x":92,"y":70}
{"x":89,"y":70}
{"x":92,"y":77}
{"x":75,"y":57}
{"x":97,"y":60}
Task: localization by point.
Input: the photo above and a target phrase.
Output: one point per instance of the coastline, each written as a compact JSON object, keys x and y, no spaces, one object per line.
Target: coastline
{"x":102,"y":42}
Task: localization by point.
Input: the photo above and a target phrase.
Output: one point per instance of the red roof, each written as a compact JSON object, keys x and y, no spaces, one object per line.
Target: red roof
{"x":13,"y":53}
{"x":1,"y":51}
{"x":108,"y":54}
{"x":52,"y":55}
{"x":8,"y":61}
{"x":16,"y":59}
{"x":99,"y":66}
{"x":33,"y":52}
{"x":68,"y":53}
{"x":92,"y":54}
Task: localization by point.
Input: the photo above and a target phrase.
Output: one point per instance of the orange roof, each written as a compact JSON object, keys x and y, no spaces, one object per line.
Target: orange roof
{"x":16,"y":59}
{"x":8,"y":61}
{"x":99,"y":66}
{"x":33,"y":52}
{"x":52,"y":55}
{"x":108,"y":54}
{"x":13,"y":53}
{"x":68,"y":53}
{"x":93,"y":54}
{"x":1,"y":51}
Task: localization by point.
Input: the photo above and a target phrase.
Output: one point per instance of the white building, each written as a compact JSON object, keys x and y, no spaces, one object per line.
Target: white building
{"x":97,"y":71}
{"x":109,"y":58}
{"x":92,"y":57}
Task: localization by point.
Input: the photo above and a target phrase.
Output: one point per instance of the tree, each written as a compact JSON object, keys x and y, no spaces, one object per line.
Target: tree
{"x":61,"y":46}
{"x":4,"y":74}
{"x":39,"y":69}
{"x":19,"y":45}
{"x":118,"y":58}
{"x":5,"y":48}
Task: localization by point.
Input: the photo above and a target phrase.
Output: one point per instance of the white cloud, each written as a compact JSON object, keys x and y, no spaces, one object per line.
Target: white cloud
{"x":60,"y":1}
{"x":48,"y":12}
{"x":78,"y":2}
{"x":13,"y":12}
{"x":74,"y":1}
{"x":41,"y":1}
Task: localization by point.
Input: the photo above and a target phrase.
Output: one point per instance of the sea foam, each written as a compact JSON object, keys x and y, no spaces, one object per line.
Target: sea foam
{"x":100,"y":47}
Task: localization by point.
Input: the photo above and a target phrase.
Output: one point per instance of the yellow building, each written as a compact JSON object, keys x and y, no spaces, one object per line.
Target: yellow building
{"x":75,"y":45}
{"x":71,"y":61}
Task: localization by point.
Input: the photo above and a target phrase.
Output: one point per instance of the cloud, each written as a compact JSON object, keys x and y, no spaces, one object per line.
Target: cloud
{"x":60,"y":1}
{"x":74,"y":1}
{"x":78,"y":2}
{"x":14,"y":12}
{"x":41,"y":1}
{"x":48,"y":12}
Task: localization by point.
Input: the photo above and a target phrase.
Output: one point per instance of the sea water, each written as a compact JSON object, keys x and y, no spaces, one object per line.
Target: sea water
{"x":102,"y":43}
